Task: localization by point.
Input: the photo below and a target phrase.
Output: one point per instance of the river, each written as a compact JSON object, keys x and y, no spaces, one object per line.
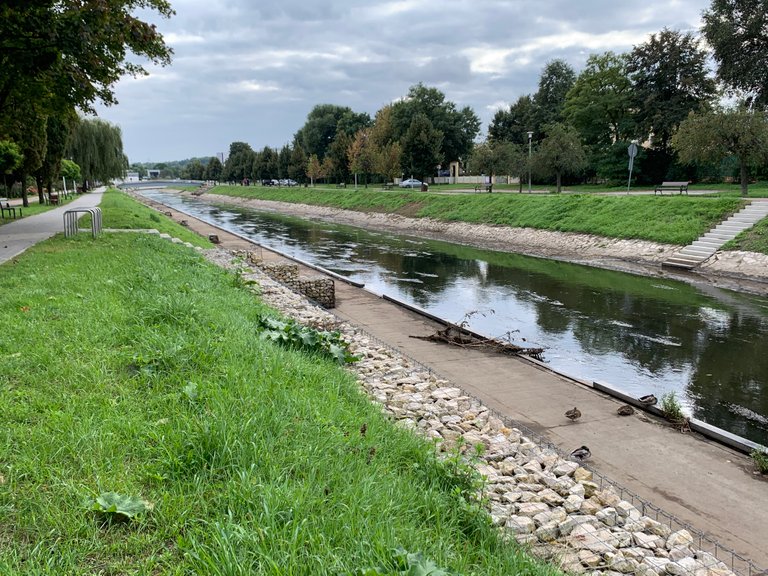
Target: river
{"x":640,"y":335}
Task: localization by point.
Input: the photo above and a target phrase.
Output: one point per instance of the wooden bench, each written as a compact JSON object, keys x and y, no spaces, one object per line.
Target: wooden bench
{"x":6,"y":207}
{"x":386,"y":186}
{"x":678,"y":187}
{"x":484,"y":188}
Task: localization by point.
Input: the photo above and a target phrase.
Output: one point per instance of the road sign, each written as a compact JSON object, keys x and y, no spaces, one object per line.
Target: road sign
{"x":632,"y":150}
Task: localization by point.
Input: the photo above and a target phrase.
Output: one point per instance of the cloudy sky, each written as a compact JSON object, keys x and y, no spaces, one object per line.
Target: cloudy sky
{"x":251,"y":70}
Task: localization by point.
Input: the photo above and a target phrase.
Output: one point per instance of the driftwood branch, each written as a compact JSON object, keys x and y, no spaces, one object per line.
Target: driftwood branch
{"x":455,"y":336}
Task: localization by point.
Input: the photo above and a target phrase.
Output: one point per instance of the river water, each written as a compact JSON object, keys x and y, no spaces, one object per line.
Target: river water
{"x":637,"y":334}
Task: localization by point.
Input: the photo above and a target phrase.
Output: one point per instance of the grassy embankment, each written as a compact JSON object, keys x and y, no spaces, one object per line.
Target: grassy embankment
{"x":130,"y":365}
{"x":668,"y":219}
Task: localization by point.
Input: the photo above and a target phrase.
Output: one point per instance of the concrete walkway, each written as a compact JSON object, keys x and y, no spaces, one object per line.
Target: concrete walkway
{"x":18,"y":235}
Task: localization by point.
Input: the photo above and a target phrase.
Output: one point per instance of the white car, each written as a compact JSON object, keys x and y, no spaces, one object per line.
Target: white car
{"x":410,"y":183}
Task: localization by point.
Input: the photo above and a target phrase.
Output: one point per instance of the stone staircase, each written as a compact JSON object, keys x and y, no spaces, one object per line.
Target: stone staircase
{"x":703,"y":248}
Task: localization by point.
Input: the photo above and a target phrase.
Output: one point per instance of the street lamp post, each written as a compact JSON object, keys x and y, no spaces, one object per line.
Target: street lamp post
{"x":530,"y":135}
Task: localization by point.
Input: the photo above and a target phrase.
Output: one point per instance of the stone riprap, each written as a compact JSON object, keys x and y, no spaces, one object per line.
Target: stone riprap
{"x":535,"y":496}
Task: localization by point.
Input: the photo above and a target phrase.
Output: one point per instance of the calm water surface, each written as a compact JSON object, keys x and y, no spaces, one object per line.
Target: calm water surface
{"x":641,"y":335}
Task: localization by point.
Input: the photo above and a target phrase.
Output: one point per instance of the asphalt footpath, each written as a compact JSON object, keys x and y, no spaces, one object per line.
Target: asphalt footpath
{"x":705,"y":485}
{"x":18,"y":234}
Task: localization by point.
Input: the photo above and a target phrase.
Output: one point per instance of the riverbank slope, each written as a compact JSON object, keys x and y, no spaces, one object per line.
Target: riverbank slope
{"x":737,"y":270}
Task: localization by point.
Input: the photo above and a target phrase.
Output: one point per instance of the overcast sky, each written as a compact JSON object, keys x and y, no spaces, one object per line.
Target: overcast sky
{"x":251,"y":70}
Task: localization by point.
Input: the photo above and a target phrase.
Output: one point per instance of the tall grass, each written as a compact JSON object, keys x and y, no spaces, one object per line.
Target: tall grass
{"x":670,"y":219}
{"x":130,"y":365}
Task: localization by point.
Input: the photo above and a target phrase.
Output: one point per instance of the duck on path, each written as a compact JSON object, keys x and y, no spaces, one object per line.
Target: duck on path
{"x":625,"y":410}
{"x":573,"y":415}
{"x":582,"y":453}
{"x":648,"y":400}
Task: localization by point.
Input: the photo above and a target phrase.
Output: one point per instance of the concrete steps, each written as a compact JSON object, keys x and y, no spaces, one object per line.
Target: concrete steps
{"x":703,"y":248}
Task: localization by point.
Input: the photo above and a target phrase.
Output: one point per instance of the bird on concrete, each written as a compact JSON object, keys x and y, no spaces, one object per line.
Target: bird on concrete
{"x":581,"y":454}
{"x":573,"y":415}
{"x":648,"y":400}
{"x":625,"y":410}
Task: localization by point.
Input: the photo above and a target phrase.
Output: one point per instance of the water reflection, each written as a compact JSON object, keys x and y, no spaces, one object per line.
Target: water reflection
{"x":642,"y":335}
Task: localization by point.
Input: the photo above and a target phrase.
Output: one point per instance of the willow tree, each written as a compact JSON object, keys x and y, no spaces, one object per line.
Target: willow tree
{"x":97,"y":147}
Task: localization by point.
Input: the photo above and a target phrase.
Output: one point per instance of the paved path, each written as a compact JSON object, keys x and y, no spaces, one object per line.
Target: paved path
{"x":18,"y":235}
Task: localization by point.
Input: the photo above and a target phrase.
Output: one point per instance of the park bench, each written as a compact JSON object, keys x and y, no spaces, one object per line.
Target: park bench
{"x":484,"y":188}
{"x":678,"y":187}
{"x":386,"y":186}
{"x":341,"y":185}
{"x":6,"y":207}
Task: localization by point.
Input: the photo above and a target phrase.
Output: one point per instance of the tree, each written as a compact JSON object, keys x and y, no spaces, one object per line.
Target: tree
{"x":555,"y":81}
{"x":11,"y":158}
{"x":421,"y":147}
{"x":58,"y":130}
{"x":737,"y":31}
{"x":314,"y":169}
{"x":336,"y":158}
{"x":361,"y":154}
{"x":670,"y":79}
{"x":714,"y":136}
{"x":561,"y":152}
{"x":266,"y":165}
{"x":239,"y":164}
{"x":513,"y":125}
{"x":458,"y":127}
{"x":323,"y":123}
{"x":388,"y":160}
{"x":297,"y":168}
{"x":283,"y":161}
{"x":97,"y":147}
{"x":77,"y":47}
{"x":494,"y":158}
{"x":70,"y":171}
{"x":599,"y":105}
{"x":194,"y":170}
{"x":213,"y":169}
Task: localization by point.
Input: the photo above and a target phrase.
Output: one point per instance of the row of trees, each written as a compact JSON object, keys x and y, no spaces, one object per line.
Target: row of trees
{"x":661,"y":95}
{"x":58,"y":59}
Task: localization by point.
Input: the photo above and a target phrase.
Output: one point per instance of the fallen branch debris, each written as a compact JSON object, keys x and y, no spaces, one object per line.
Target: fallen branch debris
{"x":457,"y":336}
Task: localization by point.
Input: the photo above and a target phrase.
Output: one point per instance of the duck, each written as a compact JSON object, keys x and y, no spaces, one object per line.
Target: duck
{"x":573,"y":415}
{"x":581,"y":454}
{"x":625,"y":410}
{"x":648,"y":400}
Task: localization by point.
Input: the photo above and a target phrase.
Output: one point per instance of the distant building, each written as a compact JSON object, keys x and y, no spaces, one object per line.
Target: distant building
{"x":131,"y":177}
{"x":153,"y":174}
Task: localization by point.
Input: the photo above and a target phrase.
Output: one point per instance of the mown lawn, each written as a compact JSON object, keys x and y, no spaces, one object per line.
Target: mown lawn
{"x":130,"y":365}
{"x":668,"y":219}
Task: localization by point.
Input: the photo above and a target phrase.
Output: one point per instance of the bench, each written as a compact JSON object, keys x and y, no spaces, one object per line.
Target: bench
{"x":484,"y":188}
{"x":341,"y":185}
{"x":6,"y":207}
{"x":386,"y":186}
{"x":678,"y":187}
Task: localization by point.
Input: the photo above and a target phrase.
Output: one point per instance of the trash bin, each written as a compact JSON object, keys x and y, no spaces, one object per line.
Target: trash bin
{"x":424,"y":187}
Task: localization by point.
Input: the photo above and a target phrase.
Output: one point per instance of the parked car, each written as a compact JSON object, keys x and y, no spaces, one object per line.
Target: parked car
{"x":410,"y":183}
{"x":288,"y":182}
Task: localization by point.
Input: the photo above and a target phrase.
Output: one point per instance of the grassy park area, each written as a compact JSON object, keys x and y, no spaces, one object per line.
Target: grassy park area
{"x":665,"y":219}
{"x":149,"y":429}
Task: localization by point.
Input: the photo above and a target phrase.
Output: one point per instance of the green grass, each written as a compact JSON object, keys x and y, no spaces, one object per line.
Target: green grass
{"x":753,"y":240}
{"x":669,"y":219}
{"x":121,"y":211}
{"x":132,"y":366}
{"x":35,"y":208}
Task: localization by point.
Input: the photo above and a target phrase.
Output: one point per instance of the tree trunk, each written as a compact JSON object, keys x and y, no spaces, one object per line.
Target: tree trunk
{"x":744,"y":177}
{"x":559,"y":180}
{"x":520,"y":182}
{"x":24,"y":198}
{"x":40,"y":186}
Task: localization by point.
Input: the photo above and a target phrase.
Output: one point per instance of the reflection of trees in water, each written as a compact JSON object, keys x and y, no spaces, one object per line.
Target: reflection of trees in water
{"x":733,"y":369}
{"x":607,"y":312}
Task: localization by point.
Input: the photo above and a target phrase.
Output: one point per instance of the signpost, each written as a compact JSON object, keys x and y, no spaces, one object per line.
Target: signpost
{"x":632,"y":151}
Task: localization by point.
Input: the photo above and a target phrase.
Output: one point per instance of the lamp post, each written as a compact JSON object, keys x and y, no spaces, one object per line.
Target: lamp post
{"x":530,"y":135}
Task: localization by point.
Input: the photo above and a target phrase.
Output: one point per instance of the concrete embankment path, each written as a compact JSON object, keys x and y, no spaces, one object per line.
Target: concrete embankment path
{"x":708,"y":486}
